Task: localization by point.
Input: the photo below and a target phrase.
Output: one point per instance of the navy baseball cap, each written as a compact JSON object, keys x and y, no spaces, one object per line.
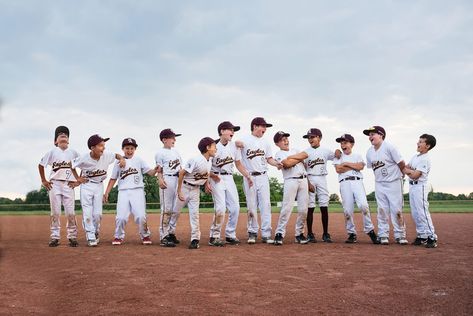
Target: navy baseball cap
{"x":204,"y":142}
{"x":227,"y":125}
{"x":167,"y":133}
{"x":95,"y":139}
{"x":313,"y":132}
{"x":280,"y":135}
{"x":375,"y":129}
{"x":129,"y":141}
{"x":260,"y":121}
{"x":345,"y":137}
{"x":60,"y":130}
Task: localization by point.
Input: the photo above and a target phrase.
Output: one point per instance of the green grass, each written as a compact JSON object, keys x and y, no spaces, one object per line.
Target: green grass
{"x":435,"y":207}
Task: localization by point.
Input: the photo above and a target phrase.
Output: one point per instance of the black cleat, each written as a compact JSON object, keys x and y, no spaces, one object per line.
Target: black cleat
{"x":311,"y":238}
{"x":174,"y":239}
{"x":301,"y":239}
{"x":73,"y":242}
{"x":374,"y":238}
{"x":278,"y":238}
{"x":419,"y":241}
{"x":53,"y":242}
{"x":326,"y":238}
{"x":351,"y":239}
{"x":431,"y":243}
{"x":167,"y":242}
{"x":232,"y":241}
{"x":194,"y":244}
{"x":216,"y":242}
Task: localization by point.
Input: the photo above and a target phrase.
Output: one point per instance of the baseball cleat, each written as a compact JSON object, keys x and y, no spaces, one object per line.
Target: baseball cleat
{"x":278,"y":239}
{"x":384,"y":240}
{"x":97,"y":238}
{"x":232,"y":241}
{"x":167,"y":242}
{"x":267,"y":240}
{"x":251,"y":238}
{"x":431,"y":243}
{"x":216,"y":242}
{"x":92,"y":243}
{"x":419,"y":241}
{"x":73,"y":242}
{"x":374,"y":238}
{"x":53,"y":242}
{"x":311,"y":238}
{"x":402,"y":241}
{"x":194,"y":244}
{"x":351,"y":239}
{"x":117,"y":242}
{"x":174,"y":239}
{"x":326,"y":238}
{"x":146,"y":241}
{"x":301,"y":239}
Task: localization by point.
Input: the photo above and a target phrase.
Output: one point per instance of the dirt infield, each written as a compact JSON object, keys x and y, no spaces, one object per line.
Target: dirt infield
{"x":258,"y":280}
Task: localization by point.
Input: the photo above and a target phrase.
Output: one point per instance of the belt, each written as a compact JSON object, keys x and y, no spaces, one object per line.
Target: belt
{"x":192,"y":185}
{"x":301,"y":177}
{"x":223,"y":173}
{"x":59,"y":180}
{"x":350,"y":178}
{"x":172,"y":175}
{"x":257,"y":173}
{"x":413,"y":182}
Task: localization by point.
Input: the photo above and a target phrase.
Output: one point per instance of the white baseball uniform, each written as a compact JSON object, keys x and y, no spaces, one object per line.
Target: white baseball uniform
{"x":91,"y":192}
{"x":197,"y":173}
{"x":254,"y":155}
{"x":388,"y":188}
{"x":224,"y":192}
{"x":170,"y":161}
{"x":316,"y":166}
{"x":352,"y":191}
{"x":131,"y":196}
{"x":295,"y":188}
{"x":418,"y":194}
{"x":60,"y":193}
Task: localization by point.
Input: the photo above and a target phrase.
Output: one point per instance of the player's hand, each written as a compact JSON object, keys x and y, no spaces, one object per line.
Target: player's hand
{"x":215,"y":177}
{"x":122,"y":163}
{"x":338,"y":153}
{"x":180,"y":196}
{"x":162,"y":184}
{"x":279,"y":166}
{"x":208,"y":188}
{"x":311,"y":188}
{"x":48,"y":185}
{"x":82,"y":180}
{"x":250,"y":182}
{"x":105,"y":198}
{"x":73,"y":184}
{"x":239,"y":144}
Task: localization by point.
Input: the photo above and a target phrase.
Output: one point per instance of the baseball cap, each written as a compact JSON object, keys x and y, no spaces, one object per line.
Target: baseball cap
{"x":227,"y":125}
{"x":204,"y":142}
{"x":60,"y":130}
{"x":375,"y":129}
{"x":260,"y":121}
{"x":279,"y":135}
{"x":313,"y":132}
{"x":95,"y":140}
{"x":167,"y":133}
{"x":129,"y":141}
{"x":345,"y":137}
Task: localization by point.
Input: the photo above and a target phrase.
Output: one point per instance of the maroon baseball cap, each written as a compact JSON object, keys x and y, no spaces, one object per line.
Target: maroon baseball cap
{"x":345,"y":137}
{"x":227,"y":125}
{"x":95,"y":139}
{"x":204,"y":142}
{"x":313,"y":132}
{"x":260,"y":121}
{"x":129,"y":141}
{"x":279,"y":135}
{"x":375,"y":129}
{"x":167,"y":133}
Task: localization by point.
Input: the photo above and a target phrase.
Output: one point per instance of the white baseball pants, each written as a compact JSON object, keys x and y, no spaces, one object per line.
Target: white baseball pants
{"x":131,"y":201}
{"x":294,"y":189}
{"x":91,"y":195}
{"x":225,"y":196}
{"x":191,"y":199}
{"x":321,"y":190}
{"x":258,"y":197}
{"x":390,"y":202}
{"x":167,"y":198}
{"x":62,"y":194}
{"x":353,"y":191}
{"x":418,"y":194}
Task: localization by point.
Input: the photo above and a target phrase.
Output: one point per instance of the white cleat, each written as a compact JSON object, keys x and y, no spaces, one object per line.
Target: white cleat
{"x":384,"y":240}
{"x":252,"y":240}
{"x":402,"y":241}
{"x":267,"y":240}
{"x":92,"y":243}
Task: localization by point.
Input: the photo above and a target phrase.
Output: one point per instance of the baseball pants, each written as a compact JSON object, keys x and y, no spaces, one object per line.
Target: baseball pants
{"x":320,"y":184}
{"x":390,"y":202}
{"x":62,"y":194}
{"x":168,"y":199}
{"x":353,"y":191}
{"x":225,"y":196}
{"x":91,"y":195}
{"x":294,"y":189}
{"x":257,"y":197}
{"x":131,"y":201}
{"x":191,"y":199}
{"x":418,"y":194}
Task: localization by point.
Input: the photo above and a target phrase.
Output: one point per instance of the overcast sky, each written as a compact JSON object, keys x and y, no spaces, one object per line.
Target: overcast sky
{"x":131,"y":68}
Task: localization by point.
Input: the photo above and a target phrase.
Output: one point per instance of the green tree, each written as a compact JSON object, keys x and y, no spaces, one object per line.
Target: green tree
{"x":37,"y":197}
{"x":334,"y":197}
{"x":151,"y":189}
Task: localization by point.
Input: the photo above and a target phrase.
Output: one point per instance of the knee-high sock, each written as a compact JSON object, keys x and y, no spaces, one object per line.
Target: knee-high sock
{"x":324,"y":213}
{"x":310,"y":219}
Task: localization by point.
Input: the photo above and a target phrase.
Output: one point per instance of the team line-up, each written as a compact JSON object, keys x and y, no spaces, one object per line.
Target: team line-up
{"x":304,"y":174}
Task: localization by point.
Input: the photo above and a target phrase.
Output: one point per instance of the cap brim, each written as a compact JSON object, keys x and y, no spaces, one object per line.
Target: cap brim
{"x":339,"y":140}
{"x":106,"y":139}
{"x":236,"y":128}
{"x":269,"y":125}
{"x":177,"y":135}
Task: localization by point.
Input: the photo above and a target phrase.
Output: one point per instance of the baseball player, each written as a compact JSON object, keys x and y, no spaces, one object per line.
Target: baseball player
{"x":60,"y":193}
{"x":191,"y":177}
{"x":169,"y":162}
{"x":387,"y":165}
{"x":224,"y":190}
{"x":295,"y":188}
{"x":256,"y":155}
{"x":316,"y":166}
{"x":349,"y":167}
{"x":418,"y":173}
{"x":94,"y":167}
{"x":131,"y":194}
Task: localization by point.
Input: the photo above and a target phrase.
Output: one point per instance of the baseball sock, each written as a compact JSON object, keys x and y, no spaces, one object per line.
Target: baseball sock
{"x":324,"y":213}
{"x":310,"y":219}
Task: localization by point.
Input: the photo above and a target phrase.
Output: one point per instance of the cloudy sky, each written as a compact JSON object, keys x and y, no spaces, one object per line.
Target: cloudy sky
{"x":132,"y":68}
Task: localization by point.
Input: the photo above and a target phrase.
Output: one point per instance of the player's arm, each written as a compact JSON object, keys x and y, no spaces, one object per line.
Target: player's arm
{"x":341,"y":168}
{"x":293,"y":160}
{"x":153,"y":172}
{"x":244,"y":172}
{"x":358,"y":166}
{"x":182,"y":173}
{"x":401,"y":165}
{"x":411,"y":173}
{"x":273,"y":162}
{"x":121,"y":160}
{"x":79,"y":180}
{"x":45,"y":182}
{"x":110,"y":185}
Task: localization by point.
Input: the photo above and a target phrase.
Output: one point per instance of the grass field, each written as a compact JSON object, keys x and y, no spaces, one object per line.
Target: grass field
{"x":460,"y":206}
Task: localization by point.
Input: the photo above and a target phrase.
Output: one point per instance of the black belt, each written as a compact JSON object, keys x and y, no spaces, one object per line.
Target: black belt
{"x":301,"y":177}
{"x":257,"y":173}
{"x":350,"y":178}
{"x":172,"y":175}
{"x":223,"y":173}
{"x":192,"y":185}
{"x":413,"y":182}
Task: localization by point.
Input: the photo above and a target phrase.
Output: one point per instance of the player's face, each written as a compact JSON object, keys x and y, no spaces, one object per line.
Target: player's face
{"x":314,"y":141}
{"x":129,"y":151}
{"x":346,"y":147}
{"x":98,"y":149}
{"x":375,"y":138}
{"x":283,"y":144}
{"x":212,"y":150}
{"x":422,"y":146}
{"x":62,"y":141}
{"x":259,"y":130}
{"x":227,"y":134}
{"x":169,"y":142}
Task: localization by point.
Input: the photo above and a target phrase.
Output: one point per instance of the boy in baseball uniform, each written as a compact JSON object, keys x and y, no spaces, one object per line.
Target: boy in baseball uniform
{"x":59,"y":189}
{"x":256,"y":155}
{"x":352,"y":191}
{"x":418,"y":172}
{"x":94,"y":167}
{"x":224,"y":190}
{"x":316,"y":166}
{"x":169,"y":162}
{"x":194,"y":174}
{"x":387,"y":165}
{"x":295,"y":188}
{"x":131,"y":194}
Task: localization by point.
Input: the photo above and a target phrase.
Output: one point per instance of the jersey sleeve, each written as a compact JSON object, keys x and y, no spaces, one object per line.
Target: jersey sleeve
{"x":368,"y":160}
{"x":330,"y":154}
{"x":268,"y":151}
{"x":237,"y":153}
{"x":190,"y":166}
{"x":109,"y":157}
{"x":115,"y":172}
{"x":278,"y":157}
{"x":46,"y":160}
{"x":77,"y":163}
{"x":423,"y":166}
{"x":394,"y":153}
{"x":337,"y":161}
{"x":159,"y":159}
{"x":144,"y":166}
